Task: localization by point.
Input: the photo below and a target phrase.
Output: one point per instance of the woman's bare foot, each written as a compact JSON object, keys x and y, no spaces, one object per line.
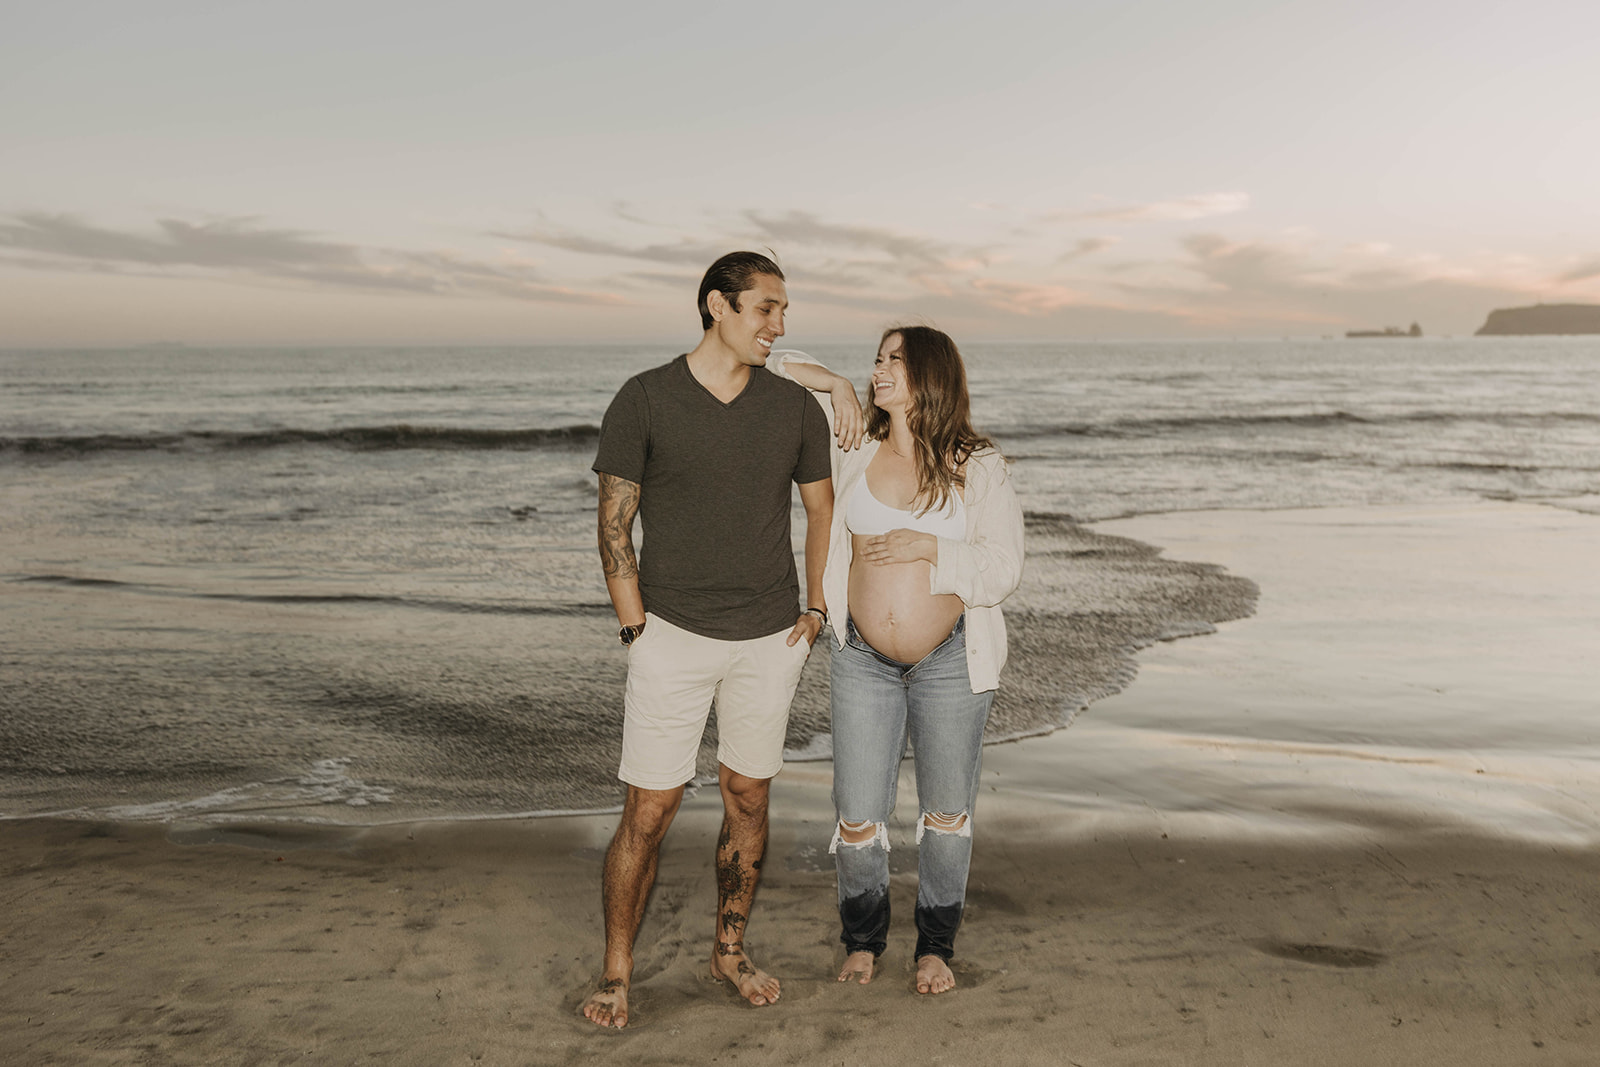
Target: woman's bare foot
{"x":608,"y":1005}
{"x":858,"y":968}
{"x":755,"y":985}
{"x":933,"y":975}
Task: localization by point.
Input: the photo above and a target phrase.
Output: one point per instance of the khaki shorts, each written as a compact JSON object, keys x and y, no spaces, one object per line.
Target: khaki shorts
{"x":673,"y":676}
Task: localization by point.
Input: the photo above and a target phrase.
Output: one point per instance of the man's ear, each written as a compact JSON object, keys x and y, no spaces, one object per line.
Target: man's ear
{"x":717,"y":305}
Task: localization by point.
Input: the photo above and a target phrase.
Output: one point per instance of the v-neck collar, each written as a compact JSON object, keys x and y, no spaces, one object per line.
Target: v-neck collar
{"x":724,"y":404}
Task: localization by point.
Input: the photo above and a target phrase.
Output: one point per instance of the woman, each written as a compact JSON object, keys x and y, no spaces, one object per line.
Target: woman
{"x":926,"y":542}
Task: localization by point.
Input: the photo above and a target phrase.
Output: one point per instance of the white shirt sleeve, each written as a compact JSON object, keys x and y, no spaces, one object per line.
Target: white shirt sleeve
{"x":986,"y":569}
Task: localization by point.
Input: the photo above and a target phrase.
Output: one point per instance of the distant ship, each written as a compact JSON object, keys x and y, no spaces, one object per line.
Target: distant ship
{"x":1387,"y":331}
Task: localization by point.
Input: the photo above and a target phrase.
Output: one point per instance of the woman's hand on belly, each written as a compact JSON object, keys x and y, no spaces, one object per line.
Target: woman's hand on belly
{"x":891,"y":607}
{"x":897,"y":546}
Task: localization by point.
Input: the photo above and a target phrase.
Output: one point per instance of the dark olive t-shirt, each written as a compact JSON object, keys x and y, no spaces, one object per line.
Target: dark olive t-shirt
{"x":716,"y":557}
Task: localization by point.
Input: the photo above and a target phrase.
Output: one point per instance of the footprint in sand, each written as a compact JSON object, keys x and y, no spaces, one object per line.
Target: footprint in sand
{"x":1323,"y":955}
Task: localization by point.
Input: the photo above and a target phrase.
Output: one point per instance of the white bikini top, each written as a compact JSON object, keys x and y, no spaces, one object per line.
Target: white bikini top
{"x":866,"y":514}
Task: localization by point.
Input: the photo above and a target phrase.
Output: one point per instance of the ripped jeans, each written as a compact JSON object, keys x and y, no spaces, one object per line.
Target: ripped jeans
{"x":877,"y":703}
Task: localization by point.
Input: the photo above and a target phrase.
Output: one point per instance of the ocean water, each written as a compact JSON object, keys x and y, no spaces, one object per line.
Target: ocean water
{"x":360,"y":584}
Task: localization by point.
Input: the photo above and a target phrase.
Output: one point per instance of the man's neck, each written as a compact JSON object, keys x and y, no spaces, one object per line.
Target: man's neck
{"x":718,"y":368}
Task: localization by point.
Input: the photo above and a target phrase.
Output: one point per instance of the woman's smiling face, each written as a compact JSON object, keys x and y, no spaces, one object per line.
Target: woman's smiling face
{"x":891,"y":389}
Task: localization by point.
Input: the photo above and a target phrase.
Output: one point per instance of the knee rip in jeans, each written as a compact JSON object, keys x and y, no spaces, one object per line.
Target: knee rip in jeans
{"x":856,"y":835}
{"x":957,"y":825}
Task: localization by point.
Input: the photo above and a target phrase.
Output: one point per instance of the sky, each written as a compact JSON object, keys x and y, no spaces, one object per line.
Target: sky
{"x":522,"y":173}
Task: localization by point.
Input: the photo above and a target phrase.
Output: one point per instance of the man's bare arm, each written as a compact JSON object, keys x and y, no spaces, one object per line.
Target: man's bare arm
{"x":817,"y":499}
{"x":619,"y":503}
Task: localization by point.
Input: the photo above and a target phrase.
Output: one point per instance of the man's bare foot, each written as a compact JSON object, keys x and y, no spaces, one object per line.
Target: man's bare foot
{"x":730,"y":964}
{"x":608,"y":1005}
{"x":933,"y":975}
{"x":858,"y":968}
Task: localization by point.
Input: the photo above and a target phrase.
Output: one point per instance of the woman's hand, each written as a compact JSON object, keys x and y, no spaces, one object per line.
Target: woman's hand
{"x":849,"y":424}
{"x":900,"y":546}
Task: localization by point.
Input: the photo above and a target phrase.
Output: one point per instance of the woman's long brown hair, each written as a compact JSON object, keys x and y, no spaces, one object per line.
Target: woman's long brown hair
{"x":939,"y":416}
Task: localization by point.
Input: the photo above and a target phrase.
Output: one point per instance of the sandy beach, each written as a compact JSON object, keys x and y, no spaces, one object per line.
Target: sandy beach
{"x":1360,"y":826}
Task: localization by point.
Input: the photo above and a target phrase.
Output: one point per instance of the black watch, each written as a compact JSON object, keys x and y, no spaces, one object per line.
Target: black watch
{"x":629,"y":634}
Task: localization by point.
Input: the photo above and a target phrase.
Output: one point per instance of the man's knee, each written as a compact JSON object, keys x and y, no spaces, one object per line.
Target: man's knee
{"x":647,"y":813}
{"x":742,"y":793}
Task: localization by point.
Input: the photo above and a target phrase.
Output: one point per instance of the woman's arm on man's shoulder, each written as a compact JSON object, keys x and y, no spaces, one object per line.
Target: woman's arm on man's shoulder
{"x":845,"y":417}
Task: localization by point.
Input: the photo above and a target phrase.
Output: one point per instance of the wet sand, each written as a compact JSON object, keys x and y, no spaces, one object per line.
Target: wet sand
{"x":1433,"y":665}
{"x":1267,"y":850}
{"x":124,"y":703}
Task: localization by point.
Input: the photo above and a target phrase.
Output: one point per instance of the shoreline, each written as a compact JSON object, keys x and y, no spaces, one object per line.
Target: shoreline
{"x":375,"y":714}
{"x":1181,"y":690}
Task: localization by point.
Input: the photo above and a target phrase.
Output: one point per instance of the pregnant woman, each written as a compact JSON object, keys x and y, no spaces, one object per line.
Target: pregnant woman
{"x":926,"y":543}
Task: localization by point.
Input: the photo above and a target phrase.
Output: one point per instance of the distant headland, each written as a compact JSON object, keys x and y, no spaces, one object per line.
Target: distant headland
{"x":1543,"y":319}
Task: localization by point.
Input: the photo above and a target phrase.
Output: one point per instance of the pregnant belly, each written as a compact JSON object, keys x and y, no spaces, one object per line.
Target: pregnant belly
{"x":894,"y":612}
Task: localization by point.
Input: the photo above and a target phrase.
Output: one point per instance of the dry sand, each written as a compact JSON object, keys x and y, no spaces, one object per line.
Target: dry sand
{"x":1163,"y":901}
{"x":473,"y":944}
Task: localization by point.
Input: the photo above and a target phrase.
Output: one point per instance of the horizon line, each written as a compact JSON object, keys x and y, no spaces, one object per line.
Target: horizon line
{"x":156,"y":346}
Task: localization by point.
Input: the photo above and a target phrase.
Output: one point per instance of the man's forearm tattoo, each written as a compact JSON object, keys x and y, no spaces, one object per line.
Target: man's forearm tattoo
{"x":619,"y":503}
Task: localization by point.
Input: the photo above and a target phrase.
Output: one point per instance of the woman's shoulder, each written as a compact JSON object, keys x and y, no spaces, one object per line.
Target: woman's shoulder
{"x":986,"y":462}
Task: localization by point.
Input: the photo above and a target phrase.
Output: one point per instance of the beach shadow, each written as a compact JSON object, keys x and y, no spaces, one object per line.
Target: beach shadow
{"x":1321,"y":955}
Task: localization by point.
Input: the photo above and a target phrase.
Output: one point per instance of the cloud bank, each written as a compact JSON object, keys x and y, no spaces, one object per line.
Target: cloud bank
{"x":1002,"y":276}
{"x":244,"y":250}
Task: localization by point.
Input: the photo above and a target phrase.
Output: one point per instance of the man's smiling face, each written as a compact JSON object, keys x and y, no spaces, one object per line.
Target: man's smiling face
{"x":751,"y":331}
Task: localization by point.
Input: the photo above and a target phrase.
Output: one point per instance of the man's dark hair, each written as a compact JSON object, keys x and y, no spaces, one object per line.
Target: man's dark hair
{"x":732,"y":275}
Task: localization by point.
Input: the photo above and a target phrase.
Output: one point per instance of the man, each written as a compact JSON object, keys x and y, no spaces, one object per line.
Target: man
{"x":703,"y":450}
